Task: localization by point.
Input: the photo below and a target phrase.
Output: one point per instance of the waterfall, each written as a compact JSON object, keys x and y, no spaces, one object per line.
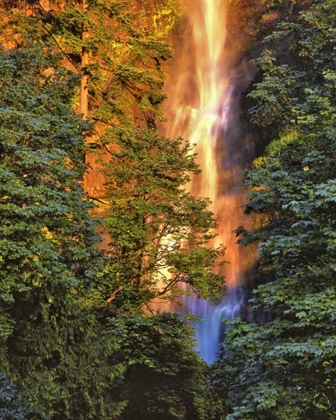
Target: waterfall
{"x":202,"y":107}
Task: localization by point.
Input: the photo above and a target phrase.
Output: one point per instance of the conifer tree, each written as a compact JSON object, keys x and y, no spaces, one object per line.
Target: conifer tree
{"x":14,"y":406}
{"x":283,"y":365}
{"x":123,"y":75}
{"x":165,"y":378}
{"x":118,"y":48}
{"x":119,"y":60}
{"x":51,"y":342}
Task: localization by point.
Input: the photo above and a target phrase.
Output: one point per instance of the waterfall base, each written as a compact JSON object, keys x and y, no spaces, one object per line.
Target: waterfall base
{"x":212,"y":320}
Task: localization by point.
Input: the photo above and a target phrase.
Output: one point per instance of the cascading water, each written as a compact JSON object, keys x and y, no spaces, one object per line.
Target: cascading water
{"x":202,"y":108}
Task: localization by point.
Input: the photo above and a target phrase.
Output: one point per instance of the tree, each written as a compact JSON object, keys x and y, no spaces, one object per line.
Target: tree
{"x":125,"y":79}
{"x":118,"y":49}
{"x":14,"y":406}
{"x":159,"y":232}
{"x":119,"y":59}
{"x":283,"y":365}
{"x":52,"y":343}
{"x":164,"y":378}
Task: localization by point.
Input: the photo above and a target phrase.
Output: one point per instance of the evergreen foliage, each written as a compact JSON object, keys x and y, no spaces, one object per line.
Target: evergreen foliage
{"x":283,"y":365}
{"x":51,"y":343}
{"x":14,"y":406}
{"x":76,"y":329}
{"x":124,"y":68}
{"x":159,"y":232}
{"x":125,"y":49}
{"x":56,"y":342}
{"x":164,"y":378}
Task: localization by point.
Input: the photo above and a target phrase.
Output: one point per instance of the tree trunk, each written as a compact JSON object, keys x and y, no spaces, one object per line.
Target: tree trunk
{"x":84,"y":92}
